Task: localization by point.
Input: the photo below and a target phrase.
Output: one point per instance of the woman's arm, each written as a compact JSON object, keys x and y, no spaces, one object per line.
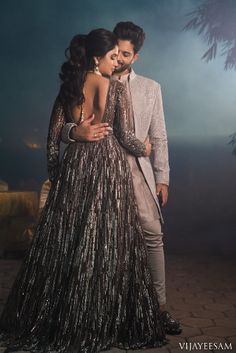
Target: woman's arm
{"x":122,"y":124}
{"x":57,"y":121}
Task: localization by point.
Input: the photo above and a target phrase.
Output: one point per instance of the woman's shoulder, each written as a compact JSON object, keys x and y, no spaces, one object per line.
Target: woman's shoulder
{"x":97,"y":83}
{"x":97,"y":79}
{"x":103,"y":84}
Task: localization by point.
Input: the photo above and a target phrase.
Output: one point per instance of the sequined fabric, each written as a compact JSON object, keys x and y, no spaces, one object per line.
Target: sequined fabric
{"x":84,"y":285}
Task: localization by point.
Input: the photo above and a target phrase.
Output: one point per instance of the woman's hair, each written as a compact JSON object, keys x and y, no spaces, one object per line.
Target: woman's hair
{"x":130,"y":31}
{"x":80,"y":60}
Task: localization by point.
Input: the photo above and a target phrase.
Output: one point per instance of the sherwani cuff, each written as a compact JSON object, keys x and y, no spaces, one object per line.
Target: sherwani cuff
{"x":162,"y":178}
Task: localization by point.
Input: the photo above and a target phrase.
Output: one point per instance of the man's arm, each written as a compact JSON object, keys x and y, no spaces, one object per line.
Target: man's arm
{"x":85,"y":131}
{"x":158,"y":137}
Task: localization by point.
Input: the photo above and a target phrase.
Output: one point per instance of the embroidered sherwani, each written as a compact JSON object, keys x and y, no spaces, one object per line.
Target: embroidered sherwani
{"x":148,"y":116}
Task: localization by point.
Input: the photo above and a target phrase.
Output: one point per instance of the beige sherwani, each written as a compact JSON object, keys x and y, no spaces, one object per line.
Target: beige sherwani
{"x":149,"y":121}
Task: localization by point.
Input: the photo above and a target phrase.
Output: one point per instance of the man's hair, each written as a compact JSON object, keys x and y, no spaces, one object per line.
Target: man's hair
{"x":130,"y":31}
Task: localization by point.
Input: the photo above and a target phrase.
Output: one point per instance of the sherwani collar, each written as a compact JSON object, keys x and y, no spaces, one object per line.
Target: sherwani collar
{"x":132,"y":75}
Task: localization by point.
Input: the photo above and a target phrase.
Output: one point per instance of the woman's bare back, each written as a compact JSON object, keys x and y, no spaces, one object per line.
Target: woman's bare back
{"x":95,"y":94}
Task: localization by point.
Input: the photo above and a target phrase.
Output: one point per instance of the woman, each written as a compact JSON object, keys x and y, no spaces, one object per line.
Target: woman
{"x":84,"y":286}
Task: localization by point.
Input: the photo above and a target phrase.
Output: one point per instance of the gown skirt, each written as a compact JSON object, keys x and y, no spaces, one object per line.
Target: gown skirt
{"x":84,"y":285}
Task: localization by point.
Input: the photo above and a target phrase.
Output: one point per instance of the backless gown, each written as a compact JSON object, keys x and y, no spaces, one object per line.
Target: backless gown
{"x":84,"y":285}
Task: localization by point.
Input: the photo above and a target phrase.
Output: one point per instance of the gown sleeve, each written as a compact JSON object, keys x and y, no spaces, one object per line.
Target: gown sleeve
{"x":121,"y":127}
{"x":57,"y":121}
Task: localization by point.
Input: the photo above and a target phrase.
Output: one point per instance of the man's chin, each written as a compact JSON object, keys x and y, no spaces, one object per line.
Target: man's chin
{"x":121,"y":69}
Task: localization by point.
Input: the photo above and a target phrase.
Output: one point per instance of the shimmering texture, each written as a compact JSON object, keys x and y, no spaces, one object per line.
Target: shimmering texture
{"x":84,"y":284}
{"x":57,"y":121}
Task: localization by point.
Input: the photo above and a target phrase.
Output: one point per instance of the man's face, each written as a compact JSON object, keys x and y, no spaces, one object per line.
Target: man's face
{"x":126,"y":56}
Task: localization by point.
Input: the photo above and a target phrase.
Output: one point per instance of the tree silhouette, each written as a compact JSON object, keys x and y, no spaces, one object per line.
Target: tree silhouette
{"x":215,"y":21}
{"x":233,"y":143}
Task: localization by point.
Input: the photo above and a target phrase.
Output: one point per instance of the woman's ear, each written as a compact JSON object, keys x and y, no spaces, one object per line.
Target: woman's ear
{"x":96,"y":60}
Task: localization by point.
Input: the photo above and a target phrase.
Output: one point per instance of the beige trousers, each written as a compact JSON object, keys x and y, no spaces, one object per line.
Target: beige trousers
{"x":150,"y":221}
{"x":156,"y":258}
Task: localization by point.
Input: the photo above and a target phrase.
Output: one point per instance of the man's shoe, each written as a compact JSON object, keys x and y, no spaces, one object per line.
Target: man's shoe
{"x":171,"y":326}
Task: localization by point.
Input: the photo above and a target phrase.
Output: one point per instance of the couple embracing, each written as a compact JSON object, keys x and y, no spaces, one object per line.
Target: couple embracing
{"x":94,"y":276}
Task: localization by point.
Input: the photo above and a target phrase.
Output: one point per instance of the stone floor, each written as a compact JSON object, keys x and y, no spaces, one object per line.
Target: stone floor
{"x":201,"y":294}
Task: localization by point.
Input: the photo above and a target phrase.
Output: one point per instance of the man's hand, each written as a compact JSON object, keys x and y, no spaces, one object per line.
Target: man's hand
{"x":88,"y":132}
{"x":148,"y":146}
{"x":162,"y":190}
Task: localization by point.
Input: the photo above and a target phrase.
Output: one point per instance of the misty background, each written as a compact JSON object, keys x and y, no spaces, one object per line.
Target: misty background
{"x":199,"y":103}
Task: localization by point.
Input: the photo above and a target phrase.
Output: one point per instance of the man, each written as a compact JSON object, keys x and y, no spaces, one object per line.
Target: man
{"x":150,"y":180}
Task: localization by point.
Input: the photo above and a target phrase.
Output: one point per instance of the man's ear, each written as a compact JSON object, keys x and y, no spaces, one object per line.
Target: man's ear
{"x":135,"y":58}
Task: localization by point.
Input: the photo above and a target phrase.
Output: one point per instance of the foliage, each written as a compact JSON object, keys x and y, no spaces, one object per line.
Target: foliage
{"x":215,"y":21}
{"x":233,"y":143}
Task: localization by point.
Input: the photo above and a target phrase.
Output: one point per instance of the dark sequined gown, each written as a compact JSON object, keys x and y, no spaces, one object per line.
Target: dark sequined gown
{"x":84,"y":285}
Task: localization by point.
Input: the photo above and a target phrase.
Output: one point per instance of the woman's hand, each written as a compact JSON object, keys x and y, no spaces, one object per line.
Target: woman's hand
{"x":148,"y":146}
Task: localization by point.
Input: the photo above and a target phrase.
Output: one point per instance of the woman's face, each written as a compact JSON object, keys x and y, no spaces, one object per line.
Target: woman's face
{"x":108,"y":62}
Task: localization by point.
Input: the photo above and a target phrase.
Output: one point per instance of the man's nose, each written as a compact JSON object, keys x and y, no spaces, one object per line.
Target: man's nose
{"x":119,"y":58}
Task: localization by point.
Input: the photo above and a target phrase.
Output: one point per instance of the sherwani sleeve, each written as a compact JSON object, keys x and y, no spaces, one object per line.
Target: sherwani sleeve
{"x":57,"y":121}
{"x":158,"y":138}
{"x":121,"y":126}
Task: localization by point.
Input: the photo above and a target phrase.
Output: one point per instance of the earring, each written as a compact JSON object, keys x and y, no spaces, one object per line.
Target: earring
{"x":96,"y":70}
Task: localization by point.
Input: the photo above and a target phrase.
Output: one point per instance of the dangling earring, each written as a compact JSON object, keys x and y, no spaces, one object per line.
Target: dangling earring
{"x":96,"y":69}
